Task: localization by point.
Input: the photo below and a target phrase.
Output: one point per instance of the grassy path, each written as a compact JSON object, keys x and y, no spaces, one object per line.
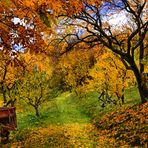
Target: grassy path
{"x":69,"y":113}
{"x":72,"y":129}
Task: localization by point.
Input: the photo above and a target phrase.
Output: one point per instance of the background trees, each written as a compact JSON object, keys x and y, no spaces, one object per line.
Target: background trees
{"x":73,"y":68}
{"x":90,"y":22}
{"x":110,"y":77}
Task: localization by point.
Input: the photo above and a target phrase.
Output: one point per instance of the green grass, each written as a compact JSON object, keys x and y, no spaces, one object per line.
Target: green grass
{"x":132,"y":96}
{"x":69,"y":108}
{"x":58,"y":111}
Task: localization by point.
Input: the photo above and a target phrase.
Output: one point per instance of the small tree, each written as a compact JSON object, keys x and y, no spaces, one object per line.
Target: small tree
{"x":11,"y":71}
{"x":35,"y":89}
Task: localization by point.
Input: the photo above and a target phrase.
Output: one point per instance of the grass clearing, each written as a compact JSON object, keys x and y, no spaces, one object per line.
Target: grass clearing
{"x":69,"y":108}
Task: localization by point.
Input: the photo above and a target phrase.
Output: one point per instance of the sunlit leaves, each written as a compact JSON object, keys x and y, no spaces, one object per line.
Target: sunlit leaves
{"x":110,"y":75}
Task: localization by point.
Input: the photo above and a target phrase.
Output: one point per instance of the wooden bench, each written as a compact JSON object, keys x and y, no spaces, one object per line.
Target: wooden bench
{"x":7,"y":122}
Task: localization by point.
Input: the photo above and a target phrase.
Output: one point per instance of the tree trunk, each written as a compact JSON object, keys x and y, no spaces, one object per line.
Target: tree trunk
{"x":4,"y":96}
{"x":37,"y":111}
{"x":122,"y":99}
{"x":4,"y":134}
{"x":145,"y":84}
{"x":143,"y":91}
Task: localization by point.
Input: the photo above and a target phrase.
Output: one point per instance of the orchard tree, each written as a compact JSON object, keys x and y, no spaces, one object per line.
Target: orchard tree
{"x":73,"y":68}
{"x":34,"y":87}
{"x":110,"y":77}
{"x":34,"y":90}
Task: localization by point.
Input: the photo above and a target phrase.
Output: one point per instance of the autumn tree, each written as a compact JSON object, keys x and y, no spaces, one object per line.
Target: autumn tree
{"x":72,"y":69}
{"x":20,"y":29}
{"x":110,"y":77}
{"x":34,"y":89}
{"x":34,"y":86}
{"x":19,"y":32}
{"x":10,"y":72}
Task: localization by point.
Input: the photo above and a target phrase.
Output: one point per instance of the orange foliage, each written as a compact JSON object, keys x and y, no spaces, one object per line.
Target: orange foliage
{"x":126,"y":127}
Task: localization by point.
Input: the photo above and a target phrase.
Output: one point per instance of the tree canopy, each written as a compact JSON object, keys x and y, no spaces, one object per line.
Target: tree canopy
{"x":74,"y":22}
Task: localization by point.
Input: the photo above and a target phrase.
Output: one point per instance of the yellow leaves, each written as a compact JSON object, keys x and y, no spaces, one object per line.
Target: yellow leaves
{"x":124,"y":127}
{"x":41,"y":61}
{"x":74,"y":67}
{"x":109,"y":73}
{"x":6,"y":3}
{"x":96,"y":2}
{"x":57,"y":6}
{"x":68,"y":135}
{"x":29,"y":3}
{"x":1,"y":102}
{"x":146,"y":67}
{"x":9,"y":70}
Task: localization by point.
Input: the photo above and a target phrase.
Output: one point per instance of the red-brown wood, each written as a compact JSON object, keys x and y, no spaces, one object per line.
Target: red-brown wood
{"x":8,"y":118}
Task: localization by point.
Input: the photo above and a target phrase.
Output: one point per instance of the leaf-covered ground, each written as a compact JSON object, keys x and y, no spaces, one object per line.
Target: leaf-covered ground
{"x":60,"y":136}
{"x":127,"y":127}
